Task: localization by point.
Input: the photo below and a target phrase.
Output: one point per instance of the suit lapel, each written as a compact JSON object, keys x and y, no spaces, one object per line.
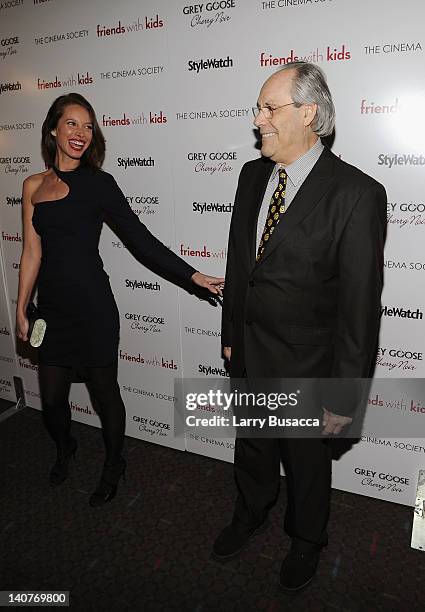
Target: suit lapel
{"x":308,"y":196}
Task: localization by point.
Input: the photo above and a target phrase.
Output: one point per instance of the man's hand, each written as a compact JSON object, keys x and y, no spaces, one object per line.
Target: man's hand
{"x":227,"y":352}
{"x":212,"y":283}
{"x":333,"y":423}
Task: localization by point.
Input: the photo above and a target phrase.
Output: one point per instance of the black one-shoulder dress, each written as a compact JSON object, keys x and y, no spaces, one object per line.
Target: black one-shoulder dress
{"x":74,"y":294}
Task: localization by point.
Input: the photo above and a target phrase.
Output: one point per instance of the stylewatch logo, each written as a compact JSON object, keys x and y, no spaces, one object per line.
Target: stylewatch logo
{"x":330,"y":54}
{"x":210,"y":63}
{"x":401,"y":313}
{"x":13,"y":201}
{"x":212,"y":207}
{"x":138,"y":284}
{"x":137,"y":25}
{"x":4,"y":87}
{"x":133,"y":162}
{"x":400,"y":159}
{"x":209,"y":370}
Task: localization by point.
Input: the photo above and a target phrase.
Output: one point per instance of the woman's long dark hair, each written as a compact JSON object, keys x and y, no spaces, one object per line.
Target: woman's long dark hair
{"x":94,"y":156}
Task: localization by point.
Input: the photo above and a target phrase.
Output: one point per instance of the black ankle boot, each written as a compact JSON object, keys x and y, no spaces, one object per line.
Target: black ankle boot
{"x":107,"y":488}
{"x":59,"y":471}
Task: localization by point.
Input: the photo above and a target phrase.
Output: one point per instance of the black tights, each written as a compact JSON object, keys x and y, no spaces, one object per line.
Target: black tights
{"x":55,"y":383}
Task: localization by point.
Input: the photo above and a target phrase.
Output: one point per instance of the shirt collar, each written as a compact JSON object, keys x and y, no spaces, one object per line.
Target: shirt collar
{"x":301,"y":167}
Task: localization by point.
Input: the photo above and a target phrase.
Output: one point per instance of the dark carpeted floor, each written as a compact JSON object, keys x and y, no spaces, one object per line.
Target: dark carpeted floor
{"x":150,"y":548}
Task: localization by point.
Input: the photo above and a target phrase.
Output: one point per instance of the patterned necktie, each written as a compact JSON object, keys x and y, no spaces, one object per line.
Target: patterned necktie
{"x":276,"y":209}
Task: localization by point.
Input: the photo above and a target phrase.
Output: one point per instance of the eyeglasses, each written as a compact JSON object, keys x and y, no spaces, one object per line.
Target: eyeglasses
{"x":267,"y":110}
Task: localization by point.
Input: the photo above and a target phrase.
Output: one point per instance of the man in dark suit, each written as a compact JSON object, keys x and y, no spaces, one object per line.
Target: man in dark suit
{"x":302,"y":299}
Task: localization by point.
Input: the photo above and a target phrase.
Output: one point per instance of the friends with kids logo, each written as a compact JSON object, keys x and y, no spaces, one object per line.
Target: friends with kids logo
{"x":153,"y":361}
{"x":71,"y":80}
{"x":146,"y":23}
{"x":140,"y":119}
{"x":330,"y":53}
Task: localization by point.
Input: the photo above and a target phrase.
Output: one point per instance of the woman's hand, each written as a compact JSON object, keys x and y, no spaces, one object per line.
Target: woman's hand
{"x":212,"y":283}
{"x":22,"y":326}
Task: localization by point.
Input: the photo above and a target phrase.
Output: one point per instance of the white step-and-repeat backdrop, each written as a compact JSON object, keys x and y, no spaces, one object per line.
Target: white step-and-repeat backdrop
{"x":173,"y":84}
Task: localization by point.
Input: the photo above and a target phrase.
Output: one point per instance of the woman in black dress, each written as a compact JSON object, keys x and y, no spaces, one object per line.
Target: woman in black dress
{"x":63,"y":212}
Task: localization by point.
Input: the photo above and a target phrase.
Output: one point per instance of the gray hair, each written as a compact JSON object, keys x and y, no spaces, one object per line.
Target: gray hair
{"x":309,"y":87}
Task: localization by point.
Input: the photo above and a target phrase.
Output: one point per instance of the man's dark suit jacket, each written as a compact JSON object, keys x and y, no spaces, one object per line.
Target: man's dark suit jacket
{"x":311,"y":306}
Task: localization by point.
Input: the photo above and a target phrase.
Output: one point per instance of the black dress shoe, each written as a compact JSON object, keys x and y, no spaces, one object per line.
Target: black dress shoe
{"x":232,"y":540}
{"x":59,"y":471}
{"x":298,"y":568}
{"x":108,"y":485}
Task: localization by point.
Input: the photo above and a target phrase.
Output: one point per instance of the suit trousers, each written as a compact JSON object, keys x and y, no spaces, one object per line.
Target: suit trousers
{"x":308,"y":467}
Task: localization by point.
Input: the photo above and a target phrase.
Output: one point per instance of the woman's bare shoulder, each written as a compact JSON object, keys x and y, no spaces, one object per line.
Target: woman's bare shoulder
{"x":33,"y":182}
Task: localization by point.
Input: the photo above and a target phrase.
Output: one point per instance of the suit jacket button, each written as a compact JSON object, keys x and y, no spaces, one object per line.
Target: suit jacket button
{"x":251,"y":283}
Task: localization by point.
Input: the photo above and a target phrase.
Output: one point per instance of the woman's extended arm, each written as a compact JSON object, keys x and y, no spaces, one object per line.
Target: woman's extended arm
{"x":30,"y":258}
{"x":145,"y":246}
